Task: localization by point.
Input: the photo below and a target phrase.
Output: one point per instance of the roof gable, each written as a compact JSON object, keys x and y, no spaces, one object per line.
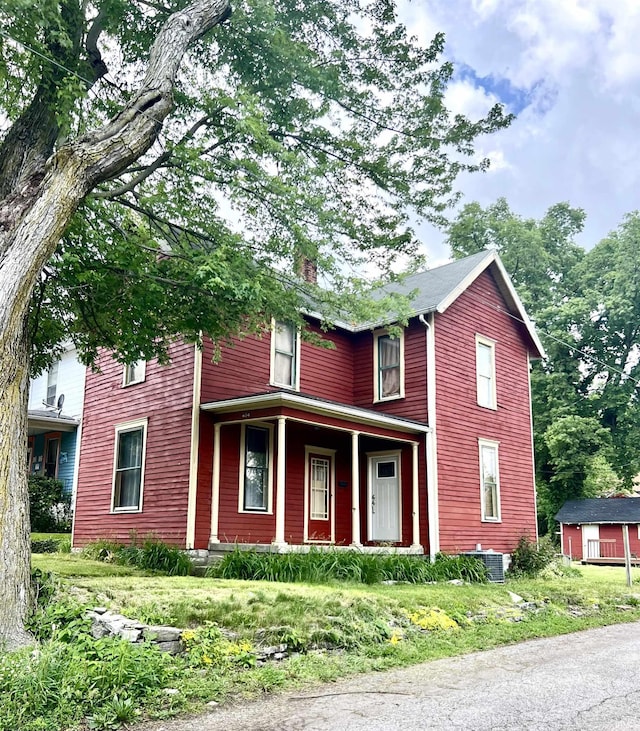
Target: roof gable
{"x":437,"y":289}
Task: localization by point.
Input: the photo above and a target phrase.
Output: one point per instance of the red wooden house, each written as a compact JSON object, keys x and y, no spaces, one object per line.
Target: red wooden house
{"x":420,"y":442}
{"x":591,"y":530}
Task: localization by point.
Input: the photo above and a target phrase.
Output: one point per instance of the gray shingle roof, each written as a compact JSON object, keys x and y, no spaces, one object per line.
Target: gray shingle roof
{"x":436,"y":285}
{"x":600,"y":510}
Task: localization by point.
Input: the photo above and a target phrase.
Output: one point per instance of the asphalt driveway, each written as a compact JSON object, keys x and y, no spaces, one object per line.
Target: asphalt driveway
{"x":588,"y":680}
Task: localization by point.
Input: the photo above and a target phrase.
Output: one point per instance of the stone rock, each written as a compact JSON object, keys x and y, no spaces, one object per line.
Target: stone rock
{"x":162,"y":633}
{"x":171,"y":691}
{"x":515,"y":598}
{"x":173,"y":648}
{"x":456,"y":582}
{"x":212,"y":704}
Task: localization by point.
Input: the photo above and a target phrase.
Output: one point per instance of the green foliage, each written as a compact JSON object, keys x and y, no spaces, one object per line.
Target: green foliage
{"x":151,"y":555}
{"x":316,"y":129}
{"x":49,"y":506}
{"x":529,"y":559}
{"x":571,"y":445}
{"x":326,"y":566}
{"x":47,"y":546}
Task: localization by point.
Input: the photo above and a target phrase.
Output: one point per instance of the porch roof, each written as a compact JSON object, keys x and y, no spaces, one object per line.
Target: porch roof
{"x":613,"y":510}
{"x":316,"y":405}
{"x":41,"y":421}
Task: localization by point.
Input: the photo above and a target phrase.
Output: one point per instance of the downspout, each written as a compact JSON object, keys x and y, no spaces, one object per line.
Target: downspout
{"x":430,"y":439}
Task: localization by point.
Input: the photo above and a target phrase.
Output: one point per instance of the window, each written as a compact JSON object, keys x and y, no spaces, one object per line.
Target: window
{"x":486,"y":372}
{"x":489,"y":481}
{"x":52,"y":384}
{"x":255,"y":469}
{"x":134,"y":373}
{"x":388,"y":366}
{"x":128,"y":472}
{"x":285,"y":355}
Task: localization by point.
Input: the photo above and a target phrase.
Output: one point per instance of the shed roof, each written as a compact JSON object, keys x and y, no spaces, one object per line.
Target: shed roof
{"x":615,"y":510}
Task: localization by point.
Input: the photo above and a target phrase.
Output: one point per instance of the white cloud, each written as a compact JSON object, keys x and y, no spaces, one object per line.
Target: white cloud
{"x":577,"y":65}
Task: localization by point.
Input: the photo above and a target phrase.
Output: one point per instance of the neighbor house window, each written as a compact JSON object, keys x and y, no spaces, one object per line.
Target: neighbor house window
{"x":486,"y":372}
{"x":255,"y":468}
{"x":285,"y":355}
{"x":134,"y":372}
{"x":52,"y":384}
{"x":128,"y":471}
{"x":489,"y":480}
{"x":388,"y":366}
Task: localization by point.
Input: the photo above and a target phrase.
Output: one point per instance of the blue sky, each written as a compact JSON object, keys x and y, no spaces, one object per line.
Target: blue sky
{"x":570,"y":70}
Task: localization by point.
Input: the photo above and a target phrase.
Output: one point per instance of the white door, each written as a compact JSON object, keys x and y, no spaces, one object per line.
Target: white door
{"x":590,"y":541}
{"x":384,"y":498}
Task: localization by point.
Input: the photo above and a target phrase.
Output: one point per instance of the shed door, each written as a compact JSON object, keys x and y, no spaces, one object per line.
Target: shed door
{"x":590,"y":541}
{"x":384,"y":498}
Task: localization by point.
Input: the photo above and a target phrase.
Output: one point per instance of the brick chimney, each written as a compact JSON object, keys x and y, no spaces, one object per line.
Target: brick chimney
{"x":309,"y":270}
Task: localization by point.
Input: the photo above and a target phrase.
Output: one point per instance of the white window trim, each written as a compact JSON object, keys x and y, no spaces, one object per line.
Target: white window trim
{"x":377,"y":398}
{"x":487,"y":342}
{"x":296,"y":361}
{"x":126,"y":426}
{"x":491,"y":445}
{"x":243,"y":432}
{"x":141,"y":379}
{"x":330,"y":454}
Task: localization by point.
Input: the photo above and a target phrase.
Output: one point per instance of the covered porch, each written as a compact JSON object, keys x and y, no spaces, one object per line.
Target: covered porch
{"x":291,"y":471}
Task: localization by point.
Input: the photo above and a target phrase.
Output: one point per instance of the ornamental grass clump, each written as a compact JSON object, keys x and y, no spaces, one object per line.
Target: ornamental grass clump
{"x":151,"y":555}
{"x":318,"y":566}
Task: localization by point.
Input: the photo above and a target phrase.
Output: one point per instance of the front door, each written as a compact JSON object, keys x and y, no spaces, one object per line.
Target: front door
{"x":384,"y":498}
{"x":51,"y":453}
{"x":590,"y":541}
{"x":319,"y":498}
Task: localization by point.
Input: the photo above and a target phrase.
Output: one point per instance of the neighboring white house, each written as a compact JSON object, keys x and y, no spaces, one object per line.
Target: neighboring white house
{"x":56,"y":400}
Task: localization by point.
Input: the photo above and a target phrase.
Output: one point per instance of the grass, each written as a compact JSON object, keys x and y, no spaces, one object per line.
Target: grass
{"x":331,"y":630}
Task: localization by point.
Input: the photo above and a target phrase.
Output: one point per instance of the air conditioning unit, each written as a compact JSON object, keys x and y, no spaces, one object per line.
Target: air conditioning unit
{"x":494,"y":563}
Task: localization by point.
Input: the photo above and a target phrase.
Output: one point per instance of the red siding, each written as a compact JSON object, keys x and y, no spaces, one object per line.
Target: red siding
{"x":244,"y":368}
{"x":414,"y":403}
{"x":461,"y":422}
{"x":572,"y":541}
{"x":165,"y":398}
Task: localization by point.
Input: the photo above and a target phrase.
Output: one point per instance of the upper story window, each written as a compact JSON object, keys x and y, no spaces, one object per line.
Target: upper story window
{"x":489,"y":481}
{"x":52,"y":384}
{"x":128,"y":468}
{"x":486,"y":372}
{"x":388,"y":354}
{"x":285,"y":355}
{"x":134,"y":372}
{"x":255,"y":468}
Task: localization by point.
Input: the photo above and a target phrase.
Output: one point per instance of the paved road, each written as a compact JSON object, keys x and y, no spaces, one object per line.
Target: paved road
{"x":588,"y":680}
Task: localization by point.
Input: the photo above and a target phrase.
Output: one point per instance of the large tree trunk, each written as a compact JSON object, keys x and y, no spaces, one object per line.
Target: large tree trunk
{"x":33,"y":217}
{"x":14,"y":500}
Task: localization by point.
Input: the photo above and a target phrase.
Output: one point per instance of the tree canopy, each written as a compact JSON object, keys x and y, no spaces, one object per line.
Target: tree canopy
{"x":298,"y":130}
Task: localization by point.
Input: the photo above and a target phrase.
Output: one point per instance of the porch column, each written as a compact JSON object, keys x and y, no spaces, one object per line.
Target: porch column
{"x":280,"y":480}
{"x":215,"y":485}
{"x":415,"y":500}
{"x":355,"y":490}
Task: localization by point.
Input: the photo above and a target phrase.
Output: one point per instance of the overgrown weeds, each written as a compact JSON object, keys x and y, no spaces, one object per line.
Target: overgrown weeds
{"x":317,"y":567}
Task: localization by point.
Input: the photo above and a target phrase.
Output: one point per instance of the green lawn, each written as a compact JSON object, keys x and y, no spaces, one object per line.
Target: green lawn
{"x":330,"y":630}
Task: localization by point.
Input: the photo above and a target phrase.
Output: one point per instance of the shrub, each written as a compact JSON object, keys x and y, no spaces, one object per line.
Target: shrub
{"x":528,"y":559}
{"x":326,"y":566}
{"x":151,"y":555}
{"x":49,"y":506}
{"x":49,"y":545}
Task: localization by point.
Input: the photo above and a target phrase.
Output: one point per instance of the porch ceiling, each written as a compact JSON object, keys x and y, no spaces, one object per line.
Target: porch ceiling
{"x":313,"y":405}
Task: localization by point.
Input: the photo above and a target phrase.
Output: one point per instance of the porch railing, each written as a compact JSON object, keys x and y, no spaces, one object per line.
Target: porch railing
{"x":601,"y":548}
